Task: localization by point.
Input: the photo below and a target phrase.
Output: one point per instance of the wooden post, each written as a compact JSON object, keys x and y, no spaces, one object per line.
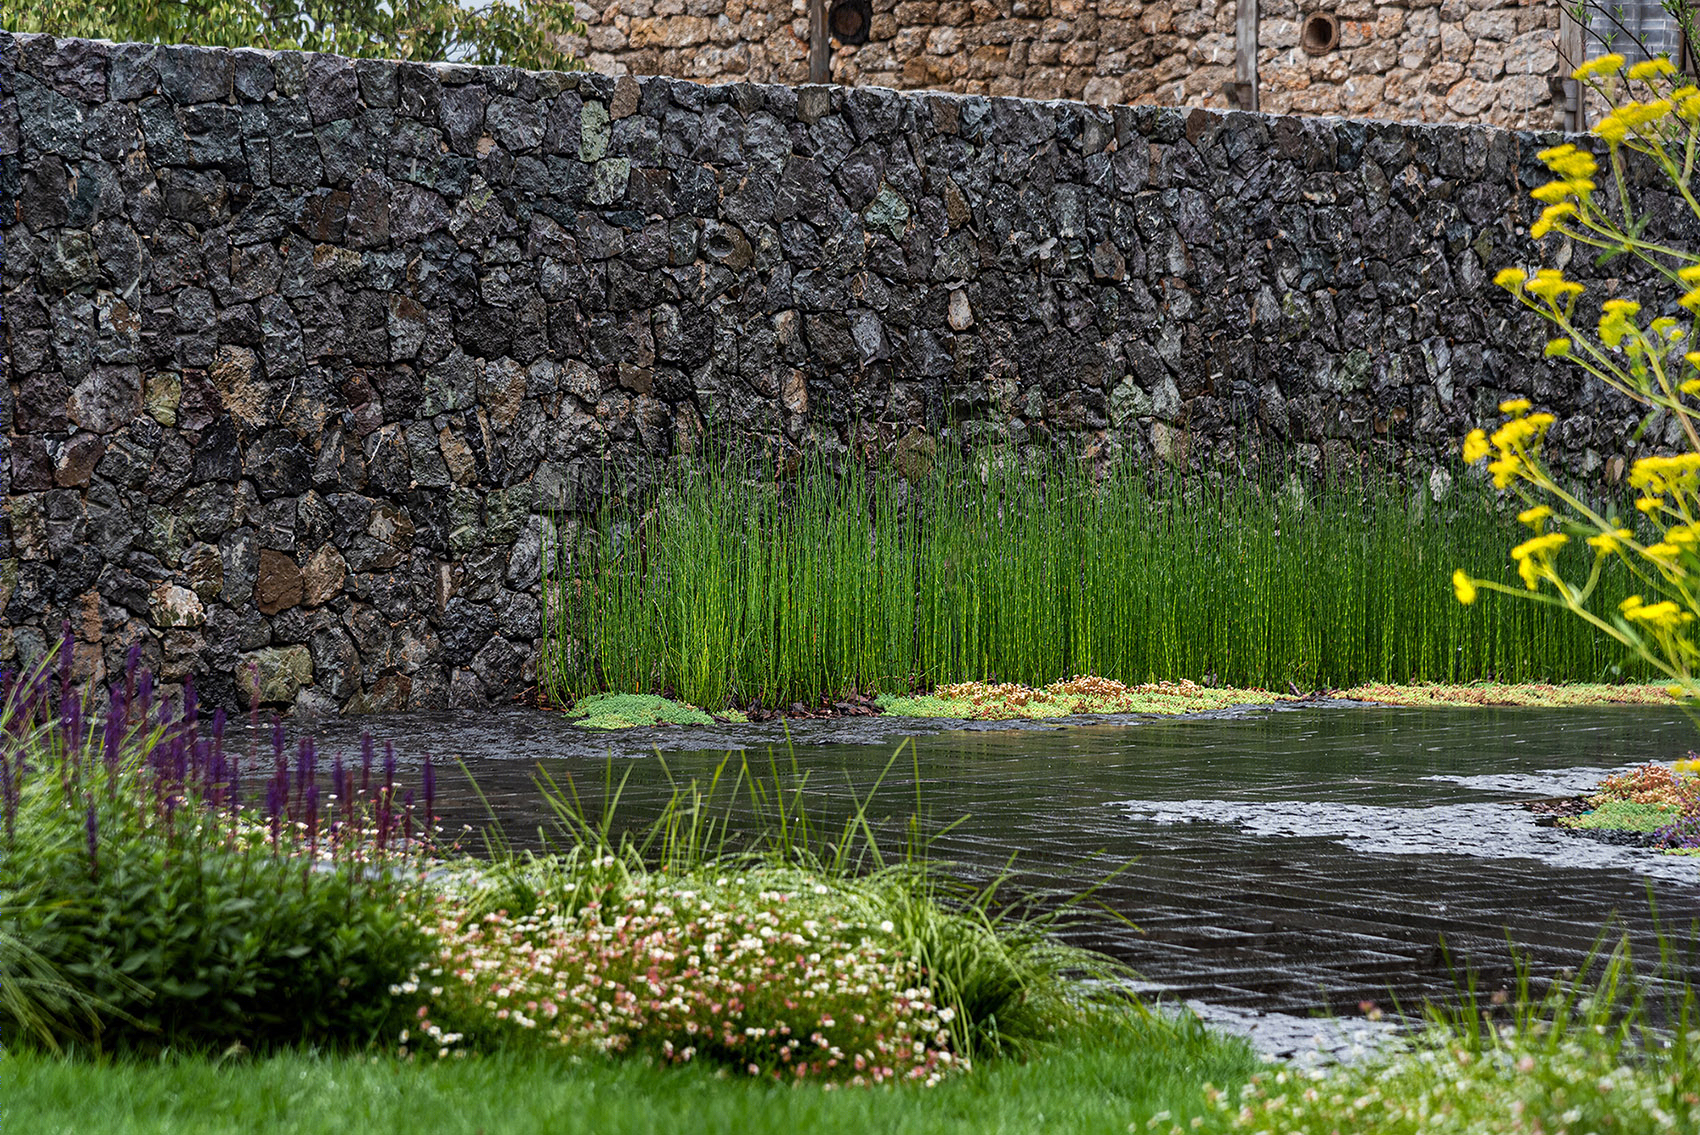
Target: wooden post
{"x":1572,"y":37}
{"x":1245,"y":54}
{"x":820,"y":47}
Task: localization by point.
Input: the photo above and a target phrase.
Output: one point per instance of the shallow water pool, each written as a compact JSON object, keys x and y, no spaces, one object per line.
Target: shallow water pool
{"x":1287,"y":860}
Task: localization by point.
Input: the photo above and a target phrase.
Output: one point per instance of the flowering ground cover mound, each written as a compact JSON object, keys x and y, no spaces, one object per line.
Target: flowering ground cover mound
{"x":762,"y":972}
{"x":1651,"y":805}
{"x":993,"y":701}
{"x":1004,"y":701}
{"x":1539,"y":694}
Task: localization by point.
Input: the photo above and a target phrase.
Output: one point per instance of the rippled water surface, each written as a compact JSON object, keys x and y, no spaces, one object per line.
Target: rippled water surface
{"x":1271,"y":860}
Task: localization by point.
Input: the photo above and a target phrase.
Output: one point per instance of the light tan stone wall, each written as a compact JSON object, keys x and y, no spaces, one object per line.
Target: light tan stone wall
{"x":1428,"y":60}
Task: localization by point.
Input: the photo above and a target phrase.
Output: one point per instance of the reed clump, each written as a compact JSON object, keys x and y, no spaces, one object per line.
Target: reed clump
{"x":726,"y":587}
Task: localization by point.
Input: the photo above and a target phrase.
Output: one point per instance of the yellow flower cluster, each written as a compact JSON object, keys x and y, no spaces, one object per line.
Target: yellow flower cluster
{"x":1568,"y":162}
{"x":1632,"y":118}
{"x":1564,"y":197}
{"x":1607,"y":542}
{"x":1617,"y":321}
{"x":1657,"y":476}
{"x":1534,"y":557}
{"x":1548,"y":284}
{"x":1662,"y":616}
{"x":1463,"y":587}
{"x":1599,"y":68}
{"x":1691,"y":298}
{"x":1651,"y":69}
{"x":1513,"y":441}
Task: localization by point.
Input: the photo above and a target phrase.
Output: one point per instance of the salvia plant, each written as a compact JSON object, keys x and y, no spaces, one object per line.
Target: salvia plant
{"x":1643,"y":352}
{"x":1680,"y":835}
{"x":165,"y":887}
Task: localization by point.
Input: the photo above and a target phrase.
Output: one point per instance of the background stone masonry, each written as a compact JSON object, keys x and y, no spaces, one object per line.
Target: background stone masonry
{"x":1489,"y":61}
{"x":303,"y":354}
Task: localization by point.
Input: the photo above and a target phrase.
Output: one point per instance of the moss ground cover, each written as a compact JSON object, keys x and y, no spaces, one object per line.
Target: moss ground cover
{"x":728,"y":587}
{"x":628,"y":711}
{"x":1623,"y":816}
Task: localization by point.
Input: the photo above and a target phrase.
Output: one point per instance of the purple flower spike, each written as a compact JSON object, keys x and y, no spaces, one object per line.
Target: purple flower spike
{"x":113,"y":736}
{"x":191,"y":704}
{"x":339,"y":793}
{"x":8,"y":799}
{"x":280,"y":763}
{"x":429,"y":777}
{"x":71,"y":721}
{"x":215,"y":776}
{"x":306,"y":762}
{"x":365,"y":764}
{"x":65,"y":650}
{"x":91,"y":828}
{"x":143,"y":700}
{"x":274,"y":798}
{"x":132,"y":660}
{"x":218,"y":746}
{"x":313,"y":815}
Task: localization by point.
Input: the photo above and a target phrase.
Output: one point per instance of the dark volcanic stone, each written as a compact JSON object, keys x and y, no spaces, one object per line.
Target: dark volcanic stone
{"x":370,"y":320}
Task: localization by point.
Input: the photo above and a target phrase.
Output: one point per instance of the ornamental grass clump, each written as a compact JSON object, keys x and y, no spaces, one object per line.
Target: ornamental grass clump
{"x":1592,"y":1054}
{"x":150,"y":903}
{"x":1640,"y":348}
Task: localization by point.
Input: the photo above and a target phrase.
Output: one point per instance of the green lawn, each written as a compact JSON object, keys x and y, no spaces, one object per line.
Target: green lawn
{"x":1095,"y":1083}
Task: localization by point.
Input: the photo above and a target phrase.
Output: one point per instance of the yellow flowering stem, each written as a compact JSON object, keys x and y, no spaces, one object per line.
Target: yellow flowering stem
{"x":1603,"y":366}
{"x":1673,"y":402}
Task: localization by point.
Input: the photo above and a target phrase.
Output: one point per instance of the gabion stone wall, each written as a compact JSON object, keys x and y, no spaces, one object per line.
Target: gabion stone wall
{"x":1493,"y":61}
{"x":303,"y":354}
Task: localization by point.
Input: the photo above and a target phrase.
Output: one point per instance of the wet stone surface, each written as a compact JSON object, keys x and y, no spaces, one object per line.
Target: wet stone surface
{"x":1282,"y":862}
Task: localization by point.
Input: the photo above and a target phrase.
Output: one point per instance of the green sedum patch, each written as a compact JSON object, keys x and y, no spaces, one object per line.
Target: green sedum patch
{"x":1624,"y":816}
{"x":630,"y":711}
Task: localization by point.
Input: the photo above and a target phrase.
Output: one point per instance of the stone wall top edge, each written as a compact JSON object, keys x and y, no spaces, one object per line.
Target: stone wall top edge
{"x":600,"y":85}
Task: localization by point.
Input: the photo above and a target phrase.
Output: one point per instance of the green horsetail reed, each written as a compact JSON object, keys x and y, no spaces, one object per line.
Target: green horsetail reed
{"x":724,"y":586}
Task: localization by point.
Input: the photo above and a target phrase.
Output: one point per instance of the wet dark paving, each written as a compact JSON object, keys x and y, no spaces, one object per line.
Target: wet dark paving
{"x":1282,"y":861}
